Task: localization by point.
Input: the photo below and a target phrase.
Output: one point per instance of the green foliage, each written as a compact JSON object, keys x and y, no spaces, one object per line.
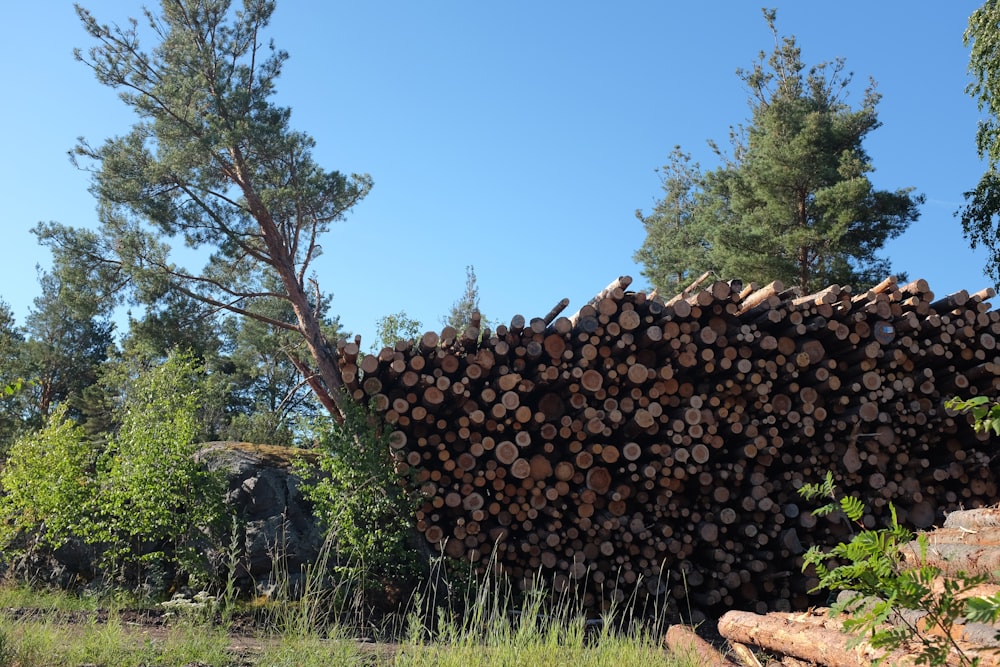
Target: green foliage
{"x":675,"y":251}
{"x":156,"y":499}
{"x":69,"y":334}
{"x":489,"y":623}
{"x":41,"y":640}
{"x":983,"y":609}
{"x":463,"y":310}
{"x":12,"y":400}
{"x":981,"y":214}
{"x":360,"y":499}
{"x":852,"y":508}
{"x":394,"y":328}
{"x":262,"y":361}
{"x":877,"y":588}
{"x":942,"y":609}
{"x":793,"y":202}
{"x":143,"y":497}
{"x":868,"y":560}
{"x":984,"y":411}
{"x":173,"y":321}
{"x":49,"y":484}
{"x":214,"y":164}
{"x":257,"y":393}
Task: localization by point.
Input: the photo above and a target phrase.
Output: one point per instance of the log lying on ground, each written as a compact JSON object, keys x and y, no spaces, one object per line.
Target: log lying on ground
{"x":817,"y":637}
{"x":967,"y":544}
{"x":654,"y":447}
{"x":807,"y":636}
{"x":683,"y":639}
{"x":983,"y":635}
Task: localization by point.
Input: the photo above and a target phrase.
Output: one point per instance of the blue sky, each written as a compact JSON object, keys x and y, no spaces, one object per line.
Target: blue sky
{"x":518,"y":137}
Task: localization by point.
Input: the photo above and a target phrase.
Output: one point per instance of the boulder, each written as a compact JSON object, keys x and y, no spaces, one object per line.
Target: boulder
{"x":277,"y":535}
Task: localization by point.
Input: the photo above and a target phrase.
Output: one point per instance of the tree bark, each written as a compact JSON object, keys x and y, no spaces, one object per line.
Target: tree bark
{"x":682,"y":639}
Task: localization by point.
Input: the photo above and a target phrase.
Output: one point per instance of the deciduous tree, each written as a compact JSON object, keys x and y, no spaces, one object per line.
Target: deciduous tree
{"x":394,"y":328}
{"x":141,"y":495}
{"x":49,"y":483}
{"x":156,"y":499}
{"x":981,"y":214}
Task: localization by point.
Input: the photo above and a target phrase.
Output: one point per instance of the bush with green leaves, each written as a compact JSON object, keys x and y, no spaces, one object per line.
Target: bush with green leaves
{"x":878,"y":589}
{"x":156,"y":499}
{"x":985,"y":412}
{"x":49,"y":484}
{"x":361,"y":501}
{"x":142,"y":498}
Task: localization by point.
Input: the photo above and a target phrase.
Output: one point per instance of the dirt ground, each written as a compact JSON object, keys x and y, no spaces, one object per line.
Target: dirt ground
{"x":248,"y":636}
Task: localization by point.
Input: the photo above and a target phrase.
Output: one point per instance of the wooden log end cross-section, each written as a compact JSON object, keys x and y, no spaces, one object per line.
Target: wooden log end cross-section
{"x":655,"y":447}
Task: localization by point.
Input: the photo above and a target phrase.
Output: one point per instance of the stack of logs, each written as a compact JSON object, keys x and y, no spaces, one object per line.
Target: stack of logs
{"x":655,"y":446}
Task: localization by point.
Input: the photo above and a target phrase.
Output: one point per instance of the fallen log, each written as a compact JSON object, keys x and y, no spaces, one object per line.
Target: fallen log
{"x":818,"y":638}
{"x":983,"y":635}
{"x":684,"y":640}
{"x":811,"y":637}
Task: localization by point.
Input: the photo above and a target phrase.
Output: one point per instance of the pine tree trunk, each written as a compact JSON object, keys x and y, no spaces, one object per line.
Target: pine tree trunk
{"x":308,"y":323}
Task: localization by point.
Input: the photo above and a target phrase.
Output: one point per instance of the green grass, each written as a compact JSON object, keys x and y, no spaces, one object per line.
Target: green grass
{"x":522,"y":641}
{"x":480,"y":631}
{"x":315,"y":651}
{"x":22,"y":596}
{"x":37,"y":642}
{"x":496,"y":627}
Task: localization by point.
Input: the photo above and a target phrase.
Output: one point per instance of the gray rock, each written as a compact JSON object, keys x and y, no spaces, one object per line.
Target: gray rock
{"x":277,"y":534}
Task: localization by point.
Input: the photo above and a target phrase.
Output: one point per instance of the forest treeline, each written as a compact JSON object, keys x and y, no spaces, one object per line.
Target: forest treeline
{"x":214,"y":163}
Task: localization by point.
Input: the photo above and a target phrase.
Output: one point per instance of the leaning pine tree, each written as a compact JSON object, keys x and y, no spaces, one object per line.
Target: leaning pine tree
{"x":214,"y":162}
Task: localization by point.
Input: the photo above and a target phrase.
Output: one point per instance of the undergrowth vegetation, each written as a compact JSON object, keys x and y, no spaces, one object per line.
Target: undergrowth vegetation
{"x":492,"y":628}
{"x":362,"y":503}
{"x":137,"y":497}
{"x":877,"y":589}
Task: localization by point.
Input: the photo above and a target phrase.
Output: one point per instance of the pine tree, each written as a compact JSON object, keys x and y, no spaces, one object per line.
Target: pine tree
{"x":793,"y":201}
{"x":462,"y":310}
{"x":675,"y":252}
{"x":214,"y":162}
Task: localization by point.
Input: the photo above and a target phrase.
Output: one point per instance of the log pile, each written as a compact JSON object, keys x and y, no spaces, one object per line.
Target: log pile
{"x":968,"y":543}
{"x":654,"y":446}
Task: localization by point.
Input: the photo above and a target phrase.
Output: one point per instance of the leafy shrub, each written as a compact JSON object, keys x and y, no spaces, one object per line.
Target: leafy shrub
{"x":360,"y":500}
{"x":142,"y":498}
{"x":879,"y":589}
{"x":986,"y":413}
{"x":156,"y":499}
{"x":49,"y":484}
